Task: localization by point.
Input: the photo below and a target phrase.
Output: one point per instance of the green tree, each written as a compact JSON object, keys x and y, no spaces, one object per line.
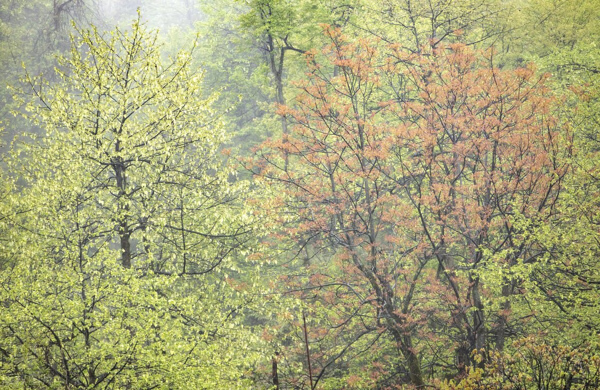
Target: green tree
{"x":561,"y":37}
{"x":419,"y":23}
{"x":565,"y":285}
{"x":32,"y":33}
{"x":133,"y":218}
{"x":233,"y":65}
{"x":251,"y":50}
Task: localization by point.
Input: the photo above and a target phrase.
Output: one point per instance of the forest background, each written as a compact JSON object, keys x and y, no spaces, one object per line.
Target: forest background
{"x":307,"y":194}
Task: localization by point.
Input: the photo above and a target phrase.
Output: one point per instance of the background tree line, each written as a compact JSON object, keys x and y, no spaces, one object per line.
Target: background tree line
{"x":299,"y":194}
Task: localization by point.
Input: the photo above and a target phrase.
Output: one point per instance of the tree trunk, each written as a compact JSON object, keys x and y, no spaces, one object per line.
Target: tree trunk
{"x":124,"y":229}
{"x":412,"y":360}
{"x":478,"y":318}
{"x":275,"y":373}
{"x":500,"y":328}
{"x":125,"y":235}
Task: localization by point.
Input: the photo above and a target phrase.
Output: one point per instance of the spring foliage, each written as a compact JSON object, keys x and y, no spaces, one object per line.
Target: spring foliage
{"x":424,"y":214}
{"x":125,"y":225}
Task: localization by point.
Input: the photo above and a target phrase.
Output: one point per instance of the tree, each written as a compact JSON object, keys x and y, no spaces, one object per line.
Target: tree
{"x":277,"y":24}
{"x":31,"y":33}
{"x":418,"y":23}
{"x":536,"y":364}
{"x":562,"y":288}
{"x":411,"y":168}
{"x":133,"y":219}
{"x":482,"y":152}
{"x":565,"y":284}
{"x":545,"y":31}
{"x":252,"y":50}
{"x":281,"y":28}
{"x":234,"y":65}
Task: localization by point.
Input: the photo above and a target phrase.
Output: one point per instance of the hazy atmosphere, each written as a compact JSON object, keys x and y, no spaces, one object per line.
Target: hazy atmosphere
{"x":300,"y":194}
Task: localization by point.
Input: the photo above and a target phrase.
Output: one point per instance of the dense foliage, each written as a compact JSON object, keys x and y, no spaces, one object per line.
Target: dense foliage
{"x":345,"y":194}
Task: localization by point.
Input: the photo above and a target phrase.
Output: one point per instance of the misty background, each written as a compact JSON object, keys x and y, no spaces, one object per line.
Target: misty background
{"x":34,"y":33}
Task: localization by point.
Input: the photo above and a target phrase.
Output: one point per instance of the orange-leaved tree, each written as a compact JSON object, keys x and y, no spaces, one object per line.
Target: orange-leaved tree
{"x":476,"y":151}
{"x":399,"y":183}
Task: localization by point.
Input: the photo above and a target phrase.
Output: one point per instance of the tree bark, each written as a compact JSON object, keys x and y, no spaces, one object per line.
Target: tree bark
{"x":123,"y":225}
{"x":412,"y":360}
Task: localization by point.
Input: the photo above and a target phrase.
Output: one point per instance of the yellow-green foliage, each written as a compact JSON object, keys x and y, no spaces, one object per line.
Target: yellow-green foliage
{"x":123,"y":230}
{"x":530,"y":363}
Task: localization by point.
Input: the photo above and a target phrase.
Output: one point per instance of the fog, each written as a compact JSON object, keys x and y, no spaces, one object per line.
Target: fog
{"x":160,"y":14}
{"x":34,"y":33}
